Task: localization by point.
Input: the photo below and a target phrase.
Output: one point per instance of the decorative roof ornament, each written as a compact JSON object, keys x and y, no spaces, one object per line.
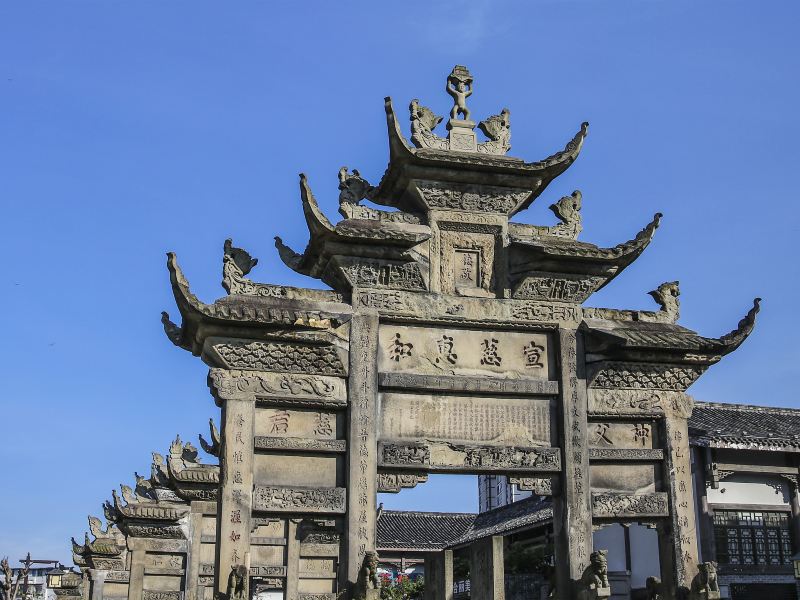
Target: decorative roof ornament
{"x":353,"y":188}
{"x":568,"y":210}
{"x":666,"y":295}
{"x":462,"y":137}
{"x":213,"y":447}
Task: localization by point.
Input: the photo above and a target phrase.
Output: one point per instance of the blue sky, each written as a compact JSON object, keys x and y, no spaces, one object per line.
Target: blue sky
{"x":128,"y":129}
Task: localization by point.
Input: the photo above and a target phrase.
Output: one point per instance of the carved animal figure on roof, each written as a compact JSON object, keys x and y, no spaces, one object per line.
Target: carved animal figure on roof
{"x":353,"y":188}
{"x":666,"y":295}
{"x":568,"y":211}
{"x":96,"y":527}
{"x":213,"y":447}
{"x":498,"y":129}
{"x":423,"y":122}
{"x":367,"y":578}
{"x":236,"y":263}
{"x":705,"y":585}
{"x":594,"y":582}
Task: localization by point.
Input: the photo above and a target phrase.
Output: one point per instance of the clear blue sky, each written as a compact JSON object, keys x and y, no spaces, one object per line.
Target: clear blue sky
{"x":130,"y":128}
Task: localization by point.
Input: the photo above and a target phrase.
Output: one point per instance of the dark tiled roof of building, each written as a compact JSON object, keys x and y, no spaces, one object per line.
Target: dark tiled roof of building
{"x":419,"y":531}
{"x":743,"y":426}
{"x":508,"y":519}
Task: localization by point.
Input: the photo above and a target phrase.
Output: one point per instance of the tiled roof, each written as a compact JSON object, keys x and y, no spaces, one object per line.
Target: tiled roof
{"x":419,"y":531}
{"x":508,"y":519}
{"x":743,"y":426}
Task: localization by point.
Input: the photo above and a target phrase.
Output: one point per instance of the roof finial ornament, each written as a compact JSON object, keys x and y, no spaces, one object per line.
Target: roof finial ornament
{"x":353,"y":188}
{"x":666,"y":295}
{"x":462,"y":135}
{"x":568,"y":210}
{"x":459,"y":86}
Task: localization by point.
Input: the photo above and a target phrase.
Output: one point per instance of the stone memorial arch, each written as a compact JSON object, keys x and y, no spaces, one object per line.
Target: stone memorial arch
{"x":452,"y":340}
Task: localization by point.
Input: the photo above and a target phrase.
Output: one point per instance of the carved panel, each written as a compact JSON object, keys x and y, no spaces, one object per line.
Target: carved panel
{"x":153,"y":595}
{"x":621,"y":434}
{"x":610,"y":375}
{"x":622,"y":454}
{"x":289,"y":388}
{"x":383,"y":274}
{"x":467,"y":263}
{"x":394,"y":482}
{"x":540,"y":486}
{"x":154,"y":530}
{"x":268,"y":571}
{"x":481,"y":385}
{"x":301,"y":444}
{"x":108,"y":563}
{"x":301,"y":500}
{"x":450,"y":351}
{"x":502,"y":421}
{"x":536,"y":285}
{"x":449,"y":457}
{"x":470,"y":198}
{"x":630,"y":505}
{"x":539,"y":311}
{"x":639,"y":403}
{"x":280,"y":356}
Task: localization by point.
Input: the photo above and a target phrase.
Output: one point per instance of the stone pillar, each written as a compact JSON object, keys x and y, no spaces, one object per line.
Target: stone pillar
{"x":486,"y":571}
{"x":98,"y":579}
{"x":439,"y":575}
{"x":362,"y":457}
{"x":193,"y":555}
{"x":136,"y":580}
{"x":572,"y":517}
{"x":708,"y":549}
{"x":292,"y":560}
{"x":677,"y":538}
{"x":234,"y":505}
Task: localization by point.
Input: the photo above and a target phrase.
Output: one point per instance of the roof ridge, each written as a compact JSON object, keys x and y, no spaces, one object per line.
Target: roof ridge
{"x":748,"y":407}
{"x":429,"y":513}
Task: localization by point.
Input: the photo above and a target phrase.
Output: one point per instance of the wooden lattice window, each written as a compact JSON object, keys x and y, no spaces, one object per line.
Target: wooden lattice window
{"x":746,"y":537}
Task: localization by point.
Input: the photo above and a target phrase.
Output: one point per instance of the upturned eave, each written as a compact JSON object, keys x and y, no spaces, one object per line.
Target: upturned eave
{"x":407,"y":163}
{"x":241,"y":311}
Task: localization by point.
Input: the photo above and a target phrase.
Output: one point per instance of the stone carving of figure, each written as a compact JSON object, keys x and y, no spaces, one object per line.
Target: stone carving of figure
{"x":705,"y":585}
{"x":667,"y":297}
{"x":236,"y":263}
{"x":237,"y":580}
{"x":367,"y":585}
{"x":423,"y":122}
{"x":352,"y":187}
{"x":568,"y":210}
{"x":459,"y":86}
{"x":498,"y":129}
{"x":594,"y":582}
{"x":653,"y":588}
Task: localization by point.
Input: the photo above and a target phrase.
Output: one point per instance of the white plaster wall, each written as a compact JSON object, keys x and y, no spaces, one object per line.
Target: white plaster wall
{"x":644,"y":555}
{"x":750,"y":489}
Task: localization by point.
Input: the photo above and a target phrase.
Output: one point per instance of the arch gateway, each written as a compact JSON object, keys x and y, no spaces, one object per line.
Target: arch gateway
{"x":453,"y":340}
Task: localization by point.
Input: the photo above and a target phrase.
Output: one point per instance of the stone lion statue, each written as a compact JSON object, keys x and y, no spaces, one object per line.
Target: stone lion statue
{"x":705,"y":585}
{"x":654,"y":588}
{"x":594,"y":582}
{"x":237,"y":583}
{"x":367,"y":585}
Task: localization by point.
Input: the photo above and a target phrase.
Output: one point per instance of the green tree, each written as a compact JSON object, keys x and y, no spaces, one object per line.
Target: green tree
{"x":402,"y":588}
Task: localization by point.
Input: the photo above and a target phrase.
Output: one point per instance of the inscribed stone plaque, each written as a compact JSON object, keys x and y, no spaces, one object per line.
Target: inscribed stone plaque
{"x":508,"y":421}
{"x":617,"y":434}
{"x":450,"y":351}
{"x":631,"y":478}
